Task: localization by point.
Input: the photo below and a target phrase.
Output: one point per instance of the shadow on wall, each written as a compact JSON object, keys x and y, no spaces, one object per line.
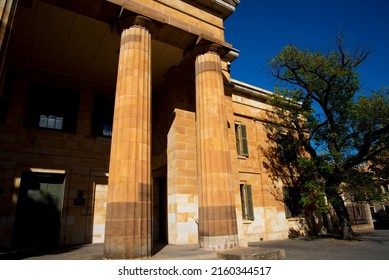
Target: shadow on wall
{"x":38,"y":216}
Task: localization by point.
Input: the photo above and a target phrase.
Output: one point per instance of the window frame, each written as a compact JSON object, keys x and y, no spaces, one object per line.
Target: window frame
{"x":242,"y":146}
{"x":292,"y":206}
{"x":246,"y":198}
{"x":102,"y":116}
{"x":51,"y":122}
{"x":55,"y":103}
{"x":285,"y":152}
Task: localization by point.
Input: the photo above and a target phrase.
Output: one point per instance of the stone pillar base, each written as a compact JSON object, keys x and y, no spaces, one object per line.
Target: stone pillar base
{"x":218,"y":242}
{"x":127,"y":248}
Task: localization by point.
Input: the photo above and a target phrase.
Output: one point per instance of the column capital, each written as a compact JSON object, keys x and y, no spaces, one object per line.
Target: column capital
{"x":135,"y":20}
{"x":209,"y":47}
{"x":205,"y":44}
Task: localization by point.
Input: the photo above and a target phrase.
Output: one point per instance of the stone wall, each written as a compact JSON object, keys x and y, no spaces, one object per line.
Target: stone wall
{"x":182,"y":193}
{"x":269,"y":215}
{"x":85,"y":158}
{"x":82,"y":157}
{"x":178,"y":14}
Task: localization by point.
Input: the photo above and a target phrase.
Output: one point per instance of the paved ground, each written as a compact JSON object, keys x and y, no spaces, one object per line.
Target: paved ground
{"x":369,"y":245}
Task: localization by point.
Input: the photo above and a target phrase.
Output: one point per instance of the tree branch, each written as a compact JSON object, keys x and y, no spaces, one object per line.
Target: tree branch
{"x":365,"y":148}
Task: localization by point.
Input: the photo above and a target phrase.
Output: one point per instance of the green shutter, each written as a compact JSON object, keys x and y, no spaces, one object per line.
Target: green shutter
{"x":247,"y":202}
{"x":250,"y":209}
{"x":237,"y":136}
{"x":288,"y":213}
{"x":241,"y":140}
{"x":245,"y":150}
{"x":243,"y":200}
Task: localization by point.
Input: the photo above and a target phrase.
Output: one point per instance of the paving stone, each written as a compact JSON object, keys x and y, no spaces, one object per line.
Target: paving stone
{"x":256,"y":253}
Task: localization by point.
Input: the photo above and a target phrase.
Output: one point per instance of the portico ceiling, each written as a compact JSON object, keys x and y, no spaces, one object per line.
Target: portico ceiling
{"x":57,"y":40}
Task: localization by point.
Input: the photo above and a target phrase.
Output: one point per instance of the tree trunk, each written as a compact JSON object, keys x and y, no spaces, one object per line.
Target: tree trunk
{"x":344,"y":220}
{"x":337,"y":202}
{"x":343,"y":216}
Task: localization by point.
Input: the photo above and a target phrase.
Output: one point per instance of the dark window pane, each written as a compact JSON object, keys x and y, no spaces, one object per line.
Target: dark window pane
{"x":292,"y":204}
{"x":52,"y":108}
{"x":102,"y":120}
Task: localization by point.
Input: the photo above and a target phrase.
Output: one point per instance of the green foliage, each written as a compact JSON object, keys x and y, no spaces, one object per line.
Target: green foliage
{"x":334,"y":131}
{"x":313,"y":191}
{"x":380,"y":166}
{"x":362,"y":186}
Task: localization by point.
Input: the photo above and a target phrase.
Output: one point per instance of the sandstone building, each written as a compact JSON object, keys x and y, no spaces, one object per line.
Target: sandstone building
{"x":120,"y":123}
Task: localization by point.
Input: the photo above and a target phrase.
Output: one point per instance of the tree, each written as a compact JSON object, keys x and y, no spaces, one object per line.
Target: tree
{"x":329,"y":132}
{"x":380,"y":166}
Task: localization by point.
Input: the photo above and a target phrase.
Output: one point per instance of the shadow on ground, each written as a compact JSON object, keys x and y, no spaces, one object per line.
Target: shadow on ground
{"x":19,"y":254}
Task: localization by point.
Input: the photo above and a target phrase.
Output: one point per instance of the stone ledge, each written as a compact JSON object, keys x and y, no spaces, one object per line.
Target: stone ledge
{"x":253,"y":253}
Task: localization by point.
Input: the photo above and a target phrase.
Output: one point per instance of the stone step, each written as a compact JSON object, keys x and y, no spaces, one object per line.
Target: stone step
{"x":252,"y":253}
{"x":184,"y":252}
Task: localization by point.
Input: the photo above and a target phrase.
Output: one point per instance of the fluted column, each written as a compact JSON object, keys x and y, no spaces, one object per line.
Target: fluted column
{"x":7,"y":9}
{"x":128,"y":219}
{"x":7,"y":14}
{"x":217,"y":218}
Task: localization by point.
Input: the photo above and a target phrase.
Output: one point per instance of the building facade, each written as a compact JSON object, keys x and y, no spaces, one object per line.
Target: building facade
{"x":384,"y":205}
{"x":120,"y":123}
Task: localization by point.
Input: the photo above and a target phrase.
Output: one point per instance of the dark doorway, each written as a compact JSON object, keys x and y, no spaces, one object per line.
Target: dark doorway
{"x":38,"y":212}
{"x":159,"y":214}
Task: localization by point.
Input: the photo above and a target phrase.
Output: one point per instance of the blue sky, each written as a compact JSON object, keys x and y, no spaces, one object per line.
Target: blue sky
{"x":260,"y":28}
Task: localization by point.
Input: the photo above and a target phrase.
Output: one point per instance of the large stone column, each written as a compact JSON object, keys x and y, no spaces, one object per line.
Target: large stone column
{"x":7,"y":15}
{"x":128,"y":219}
{"x":217,"y":217}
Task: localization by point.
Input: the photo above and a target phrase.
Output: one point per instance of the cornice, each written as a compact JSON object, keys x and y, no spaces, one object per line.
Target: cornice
{"x":229,"y":4}
{"x":221,"y":8}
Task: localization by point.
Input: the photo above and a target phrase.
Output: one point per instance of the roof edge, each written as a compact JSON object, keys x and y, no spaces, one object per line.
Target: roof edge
{"x":250,"y":89}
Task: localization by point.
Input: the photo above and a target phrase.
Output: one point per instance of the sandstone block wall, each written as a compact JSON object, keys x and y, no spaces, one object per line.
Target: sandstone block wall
{"x":178,"y":14}
{"x":269,"y":215}
{"x":83,"y":158}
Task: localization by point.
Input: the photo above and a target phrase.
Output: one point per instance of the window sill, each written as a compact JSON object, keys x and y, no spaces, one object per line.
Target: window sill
{"x":103,"y":138}
{"x":292,"y":219}
{"x":242,"y":157}
{"x":42,"y":130}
